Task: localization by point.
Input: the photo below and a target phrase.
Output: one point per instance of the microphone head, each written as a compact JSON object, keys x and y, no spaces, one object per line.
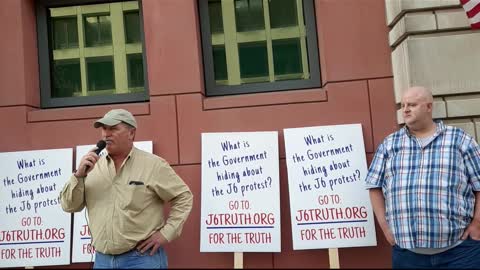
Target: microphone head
{"x":100,"y":146}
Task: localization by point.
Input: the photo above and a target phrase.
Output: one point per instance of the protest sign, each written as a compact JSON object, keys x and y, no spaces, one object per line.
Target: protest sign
{"x":34,"y":230}
{"x":240,"y":192}
{"x":329,"y":204}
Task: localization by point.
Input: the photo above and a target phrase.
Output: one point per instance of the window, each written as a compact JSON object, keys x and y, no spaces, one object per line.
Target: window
{"x":259,"y":45}
{"x":90,"y":52}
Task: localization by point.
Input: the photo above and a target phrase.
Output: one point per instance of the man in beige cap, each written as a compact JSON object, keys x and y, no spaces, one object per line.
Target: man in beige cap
{"x":124,"y":193}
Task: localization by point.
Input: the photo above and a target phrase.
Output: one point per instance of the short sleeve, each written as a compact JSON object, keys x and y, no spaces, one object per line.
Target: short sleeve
{"x":376,"y":172}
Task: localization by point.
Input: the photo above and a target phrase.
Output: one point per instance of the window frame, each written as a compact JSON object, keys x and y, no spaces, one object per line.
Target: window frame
{"x":214,"y":89}
{"x":45,"y":54}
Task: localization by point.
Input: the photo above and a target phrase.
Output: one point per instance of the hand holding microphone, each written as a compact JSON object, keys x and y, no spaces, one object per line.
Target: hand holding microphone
{"x":89,"y":160}
{"x":100,"y":146}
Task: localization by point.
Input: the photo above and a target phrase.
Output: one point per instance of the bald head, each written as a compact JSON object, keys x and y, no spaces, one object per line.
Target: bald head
{"x":420,"y":92}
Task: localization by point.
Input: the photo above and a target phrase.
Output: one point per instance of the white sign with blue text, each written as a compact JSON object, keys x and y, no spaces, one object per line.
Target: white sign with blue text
{"x":329,"y":205}
{"x":240,"y":208}
{"x":34,"y":230}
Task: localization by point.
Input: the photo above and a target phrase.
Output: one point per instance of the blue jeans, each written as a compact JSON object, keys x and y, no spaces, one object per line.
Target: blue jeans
{"x":132,"y":259}
{"x":465,"y":255}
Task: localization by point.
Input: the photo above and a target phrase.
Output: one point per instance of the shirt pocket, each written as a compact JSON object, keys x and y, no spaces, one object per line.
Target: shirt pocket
{"x":135,"y":197}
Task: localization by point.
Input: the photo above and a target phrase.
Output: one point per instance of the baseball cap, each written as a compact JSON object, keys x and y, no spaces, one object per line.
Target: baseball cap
{"x":116,"y":116}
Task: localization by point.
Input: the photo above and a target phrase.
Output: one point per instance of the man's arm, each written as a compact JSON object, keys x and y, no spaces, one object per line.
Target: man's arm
{"x":374,"y":181}
{"x":72,"y":196}
{"x":181,"y":206}
{"x":173,"y":189}
{"x":471,"y":158}
{"x":378,"y":204}
{"x":473,"y":228}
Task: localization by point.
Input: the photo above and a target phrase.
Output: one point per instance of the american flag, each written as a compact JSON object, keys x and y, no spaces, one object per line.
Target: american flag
{"x":472,"y":8}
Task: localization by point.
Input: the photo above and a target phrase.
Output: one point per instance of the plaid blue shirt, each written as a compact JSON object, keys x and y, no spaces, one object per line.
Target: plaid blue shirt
{"x":429,"y":191}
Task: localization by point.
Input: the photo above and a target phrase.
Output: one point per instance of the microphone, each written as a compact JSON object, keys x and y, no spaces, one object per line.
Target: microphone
{"x":100,"y":146}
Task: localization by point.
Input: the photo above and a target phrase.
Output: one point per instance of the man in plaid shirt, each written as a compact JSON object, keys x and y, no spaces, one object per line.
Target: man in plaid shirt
{"x":424,"y":184}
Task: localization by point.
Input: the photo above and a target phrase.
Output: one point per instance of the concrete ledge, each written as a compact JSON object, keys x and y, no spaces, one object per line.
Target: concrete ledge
{"x":439,"y":108}
{"x":447,"y":63}
{"x":412,"y":23}
{"x":467,"y":105}
{"x":395,"y":8}
{"x":452,"y":19}
{"x":401,"y":75}
{"x":476,"y":122}
{"x":259,"y":99}
{"x":465,"y":124}
{"x":85,"y":112}
{"x":400,"y":117}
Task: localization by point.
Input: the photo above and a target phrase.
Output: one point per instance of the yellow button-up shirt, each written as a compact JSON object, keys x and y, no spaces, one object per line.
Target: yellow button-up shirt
{"x":127,"y":207}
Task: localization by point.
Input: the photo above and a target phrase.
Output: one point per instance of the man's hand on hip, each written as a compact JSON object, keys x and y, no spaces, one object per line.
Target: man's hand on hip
{"x":155,"y":241}
{"x":473,"y":230}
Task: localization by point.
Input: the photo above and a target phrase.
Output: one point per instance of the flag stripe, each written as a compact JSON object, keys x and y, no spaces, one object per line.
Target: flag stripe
{"x":474,"y":11}
{"x":475,"y":19}
{"x":470,"y":5}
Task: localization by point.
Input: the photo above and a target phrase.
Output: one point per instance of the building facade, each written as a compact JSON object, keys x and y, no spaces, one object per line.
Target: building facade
{"x":433,"y":45}
{"x":187,"y":67}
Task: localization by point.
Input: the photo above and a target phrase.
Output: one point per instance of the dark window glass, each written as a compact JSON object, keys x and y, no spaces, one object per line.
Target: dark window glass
{"x":69,"y":77}
{"x":283,"y":13}
{"x":98,"y":30}
{"x":66,"y":78}
{"x":135,"y":70}
{"x":249,"y":15}
{"x":65,"y":33}
{"x":100,"y":73}
{"x":284,"y":57}
{"x":220,"y":62}
{"x":132,"y":27}
{"x":253,"y":59}
{"x":287,"y":56}
{"x":215,"y":15}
